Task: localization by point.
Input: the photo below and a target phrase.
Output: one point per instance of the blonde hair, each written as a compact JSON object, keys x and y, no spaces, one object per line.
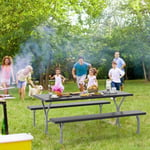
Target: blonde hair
{"x":29,"y":67}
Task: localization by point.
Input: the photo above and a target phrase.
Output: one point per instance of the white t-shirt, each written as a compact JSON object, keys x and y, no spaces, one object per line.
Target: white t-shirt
{"x":22,"y":77}
{"x":115,"y":74}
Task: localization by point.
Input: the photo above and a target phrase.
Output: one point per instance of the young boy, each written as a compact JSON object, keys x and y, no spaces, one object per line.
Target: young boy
{"x":23,"y":76}
{"x":115,"y":74}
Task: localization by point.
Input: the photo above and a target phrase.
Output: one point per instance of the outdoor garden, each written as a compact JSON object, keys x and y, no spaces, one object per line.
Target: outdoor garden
{"x":50,"y":34}
{"x":89,"y":135}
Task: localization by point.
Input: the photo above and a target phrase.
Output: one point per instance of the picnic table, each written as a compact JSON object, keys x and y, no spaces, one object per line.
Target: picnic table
{"x":46,"y":100}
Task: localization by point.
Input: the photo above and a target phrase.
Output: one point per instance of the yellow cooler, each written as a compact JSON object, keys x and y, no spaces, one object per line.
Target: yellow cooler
{"x":22,"y":141}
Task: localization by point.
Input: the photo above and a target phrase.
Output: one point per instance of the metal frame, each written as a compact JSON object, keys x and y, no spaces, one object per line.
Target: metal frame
{"x":61,"y":125}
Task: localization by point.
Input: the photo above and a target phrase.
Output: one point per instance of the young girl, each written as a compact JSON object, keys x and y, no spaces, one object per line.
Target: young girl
{"x":92,"y":81}
{"x":59,"y":79}
{"x":6,"y":73}
{"x":24,"y":76}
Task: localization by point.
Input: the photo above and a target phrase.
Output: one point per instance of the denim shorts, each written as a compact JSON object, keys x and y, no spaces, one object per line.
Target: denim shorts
{"x":21,"y":84}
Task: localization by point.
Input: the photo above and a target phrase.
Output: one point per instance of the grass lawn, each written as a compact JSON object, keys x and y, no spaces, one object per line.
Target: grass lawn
{"x":87,"y":135}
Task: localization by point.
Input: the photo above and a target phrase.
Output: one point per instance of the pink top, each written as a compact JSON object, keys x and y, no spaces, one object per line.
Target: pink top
{"x":5,"y":73}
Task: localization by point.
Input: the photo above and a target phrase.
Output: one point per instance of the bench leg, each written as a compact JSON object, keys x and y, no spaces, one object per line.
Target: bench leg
{"x":34,"y":111}
{"x":138,"y":124}
{"x":61,"y":133}
{"x":100,"y":107}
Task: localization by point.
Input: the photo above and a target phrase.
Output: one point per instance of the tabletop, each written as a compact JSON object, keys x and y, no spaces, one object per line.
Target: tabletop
{"x":45,"y":97}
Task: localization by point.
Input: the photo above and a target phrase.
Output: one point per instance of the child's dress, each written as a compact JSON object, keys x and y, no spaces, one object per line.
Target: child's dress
{"x":58,"y":87}
{"x":91,"y":81}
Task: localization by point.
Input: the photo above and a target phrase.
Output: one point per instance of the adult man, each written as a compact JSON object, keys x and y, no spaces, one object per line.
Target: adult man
{"x":79,"y":72}
{"x":121,"y":65}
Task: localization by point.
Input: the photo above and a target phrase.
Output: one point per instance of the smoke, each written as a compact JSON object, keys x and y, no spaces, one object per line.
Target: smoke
{"x":36,"y":52}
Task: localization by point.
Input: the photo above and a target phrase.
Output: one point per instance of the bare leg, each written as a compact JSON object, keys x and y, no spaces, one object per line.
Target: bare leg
{"x":122,"y":88}
{"x":81,"y":87}
{"x":22,"y":92}
{"x":4,"y":85}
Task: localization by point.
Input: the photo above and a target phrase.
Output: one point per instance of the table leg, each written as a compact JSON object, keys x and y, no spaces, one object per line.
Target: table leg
{"x":46,"y":116}
{"x":5,"y":117}
{"x":118,"y":106}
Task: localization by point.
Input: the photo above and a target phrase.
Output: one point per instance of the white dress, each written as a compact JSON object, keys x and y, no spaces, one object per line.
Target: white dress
{"x":91,"y":81}
{"x":58,"y":84}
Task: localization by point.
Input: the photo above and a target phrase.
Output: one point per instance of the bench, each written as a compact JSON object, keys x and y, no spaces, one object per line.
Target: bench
{"x":63,"y":105}
{"x":63,"y":120}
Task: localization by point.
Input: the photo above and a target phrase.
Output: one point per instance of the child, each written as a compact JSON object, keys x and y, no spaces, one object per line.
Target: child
{"x":92,"y":81}
{"x":6,"y":73}
{"x":24,"y":76}
{"x":59,"y":79}
{"x":115,"y":74}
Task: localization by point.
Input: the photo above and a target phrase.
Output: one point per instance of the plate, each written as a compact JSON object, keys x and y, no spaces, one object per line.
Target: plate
{"x":54,"y":96}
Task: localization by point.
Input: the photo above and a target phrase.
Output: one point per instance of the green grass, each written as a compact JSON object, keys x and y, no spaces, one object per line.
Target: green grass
{"x":88,"y":135}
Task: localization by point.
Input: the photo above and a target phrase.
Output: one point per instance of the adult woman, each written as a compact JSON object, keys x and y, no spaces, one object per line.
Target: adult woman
{"x":6,"y":73}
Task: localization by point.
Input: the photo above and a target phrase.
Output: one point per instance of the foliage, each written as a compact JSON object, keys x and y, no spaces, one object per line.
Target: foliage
{"x":53,"y":33}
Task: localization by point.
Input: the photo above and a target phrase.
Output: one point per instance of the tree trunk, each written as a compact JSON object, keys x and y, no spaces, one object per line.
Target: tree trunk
{"x":144,"y":70}
{"x":47,"y":78}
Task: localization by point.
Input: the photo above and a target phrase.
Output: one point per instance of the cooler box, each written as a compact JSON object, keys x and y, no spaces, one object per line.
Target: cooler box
{"x":22,"y":141}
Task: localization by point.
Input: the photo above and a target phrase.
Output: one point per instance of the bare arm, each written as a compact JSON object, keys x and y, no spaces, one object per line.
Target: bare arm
{"x":123,"y":66}
{"x":63,"y":78}
{"x":52,"y":77}
{"x":73,"y":73}
{"x":12,"y":73}
{"x":31,"y":82}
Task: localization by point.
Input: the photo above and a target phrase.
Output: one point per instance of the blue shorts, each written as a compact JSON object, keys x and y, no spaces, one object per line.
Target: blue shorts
{"x":21,"y":84}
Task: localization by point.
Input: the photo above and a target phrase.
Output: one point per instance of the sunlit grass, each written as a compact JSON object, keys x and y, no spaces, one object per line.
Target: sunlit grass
{"x":88,"y":135}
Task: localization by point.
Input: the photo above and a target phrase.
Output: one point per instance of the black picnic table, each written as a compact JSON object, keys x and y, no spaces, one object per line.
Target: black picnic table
{"x":45,"y":99}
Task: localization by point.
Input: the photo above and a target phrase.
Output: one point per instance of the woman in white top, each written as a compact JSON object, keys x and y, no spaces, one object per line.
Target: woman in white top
{"x":115,"y":74}
{"x":23,"y":76}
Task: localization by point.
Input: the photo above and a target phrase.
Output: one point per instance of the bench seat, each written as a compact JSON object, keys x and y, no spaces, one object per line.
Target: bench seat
{"x":62,"y":120}
{"x":63,"y":105}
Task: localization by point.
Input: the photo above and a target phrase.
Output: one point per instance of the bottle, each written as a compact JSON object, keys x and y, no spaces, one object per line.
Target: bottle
{"x":3,"y":129}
